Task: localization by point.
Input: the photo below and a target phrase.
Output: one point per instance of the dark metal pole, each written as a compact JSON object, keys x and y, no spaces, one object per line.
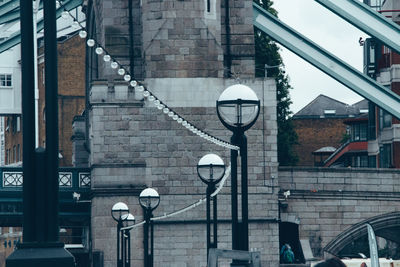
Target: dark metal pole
{"x":128,"y":261}
{"x":51,"y":82}
{"x":215,"y":220}
{"x":119,"y":226}
{"x":239,"y":227}
{"x":28,"y":121}
{"x":131,"y":42}
{"x":244,"y":229}
{"x":146,"y":238}
{"x":234,"y":194}
{"x":228,"y":63}
{"x":124,"y":250}
{"x":208,"y":216}
{"x":152,"y":241}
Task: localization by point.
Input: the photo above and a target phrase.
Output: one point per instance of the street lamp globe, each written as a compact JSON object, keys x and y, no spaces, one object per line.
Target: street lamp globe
{"x":149,"y":198}
{"x":119,"y":210}
{"x":238,"y":107}
{"x":128,"y":220}
{"x":211,"y":169}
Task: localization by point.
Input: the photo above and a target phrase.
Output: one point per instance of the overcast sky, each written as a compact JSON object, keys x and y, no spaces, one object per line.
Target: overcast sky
{"x":331,"y":33}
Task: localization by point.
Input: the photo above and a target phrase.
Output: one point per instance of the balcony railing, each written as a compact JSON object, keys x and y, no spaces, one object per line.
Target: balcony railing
{"x":69,"y":178}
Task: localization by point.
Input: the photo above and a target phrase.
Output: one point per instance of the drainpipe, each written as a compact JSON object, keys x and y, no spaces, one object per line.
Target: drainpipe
{"x":228,"y":40}
{"x":131,"y":50}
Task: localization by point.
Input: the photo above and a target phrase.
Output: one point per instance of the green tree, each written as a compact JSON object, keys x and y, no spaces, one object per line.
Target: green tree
{"x":269,"y":63}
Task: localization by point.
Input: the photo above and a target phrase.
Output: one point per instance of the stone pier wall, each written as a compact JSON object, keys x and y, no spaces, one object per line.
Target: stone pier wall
{"x":134,"y":145}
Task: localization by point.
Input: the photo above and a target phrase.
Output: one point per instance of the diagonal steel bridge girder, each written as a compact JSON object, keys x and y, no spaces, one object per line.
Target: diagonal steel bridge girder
{"x":367,"y":20}
{"x":15,"y":38}
{"x":326,"y":62}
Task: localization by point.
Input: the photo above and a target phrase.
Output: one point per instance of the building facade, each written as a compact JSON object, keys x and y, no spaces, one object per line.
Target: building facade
{"x":382,"y":64}
{"x":321,"y":129}
{"x":354,"y":150}
{"x":71,"y":99}
{"x":71,"y":92}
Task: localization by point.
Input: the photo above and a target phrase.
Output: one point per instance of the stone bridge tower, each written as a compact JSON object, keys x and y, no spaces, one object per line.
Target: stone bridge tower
{"x":186,"y":52}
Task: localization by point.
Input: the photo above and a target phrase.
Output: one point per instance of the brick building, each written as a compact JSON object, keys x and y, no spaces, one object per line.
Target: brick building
{"x":320,"y":125}
{"x":382,"y":64}
{"x":71,"y":92}
{"x":354,"y":151}
{"x":13,"y":140}
{"x":71,"y":101}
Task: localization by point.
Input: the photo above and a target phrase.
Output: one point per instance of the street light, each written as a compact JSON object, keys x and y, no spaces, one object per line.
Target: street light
{"x":127,"y":221}
{"x":119,"y":212}
{"x":211,"y":169}
{"x":238,"y":108}
{"x":149,"y":199}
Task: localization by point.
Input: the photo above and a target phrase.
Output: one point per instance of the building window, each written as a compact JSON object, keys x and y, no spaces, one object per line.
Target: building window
{"x":18,"y":124}
{"x":210,"y":9}
{"x":359,"y":132}
{"x":5,"y":80}
{"x":372,"y":161}
{"x":330,"y":112}
{"x":360,"y":161}
{"x":385,"y":156}
{"x":14,"y":153}
{"x":371,"y":121}
{"x":385,"y":119}
{"x":14,"y":124}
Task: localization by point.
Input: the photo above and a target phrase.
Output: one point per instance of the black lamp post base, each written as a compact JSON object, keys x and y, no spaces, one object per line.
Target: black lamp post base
{"x":41,"y":255}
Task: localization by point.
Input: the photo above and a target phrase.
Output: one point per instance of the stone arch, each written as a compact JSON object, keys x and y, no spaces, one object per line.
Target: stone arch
{"x":384,"y":225}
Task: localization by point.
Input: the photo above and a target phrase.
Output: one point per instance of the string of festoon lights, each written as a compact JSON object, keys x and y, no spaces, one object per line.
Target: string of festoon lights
{"x":139,"y":87}
{"x":187,"y":208}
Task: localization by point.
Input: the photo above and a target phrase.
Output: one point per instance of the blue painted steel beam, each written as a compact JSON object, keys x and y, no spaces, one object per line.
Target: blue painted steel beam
{"x":367,"y":20}
{"x":10,"y":17}
{"x":8,"y":7}
{"x":15,"y":38}
{"x":325,"y":61}
{"x":14,"y":14}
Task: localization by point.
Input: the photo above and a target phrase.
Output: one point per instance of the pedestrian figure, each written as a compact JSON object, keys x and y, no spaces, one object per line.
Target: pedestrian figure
{"x":287,"y":255}
{"x":332,"y":262}
{"x":363,"y":265}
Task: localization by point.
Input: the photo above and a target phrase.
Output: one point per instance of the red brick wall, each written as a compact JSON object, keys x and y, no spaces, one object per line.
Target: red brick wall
{"x":71,"y":94}
{"x":71,"y":99}
{"x":12,"y":138}
{"x":314,"y":134}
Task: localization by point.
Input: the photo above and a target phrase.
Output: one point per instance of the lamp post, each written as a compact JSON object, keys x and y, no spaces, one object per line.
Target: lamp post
{"x":211,"y":169}
{"x":127,"y":221}
{"x":238,"y":108}
{"x":149,"y":199}
{"x":119,"y":212}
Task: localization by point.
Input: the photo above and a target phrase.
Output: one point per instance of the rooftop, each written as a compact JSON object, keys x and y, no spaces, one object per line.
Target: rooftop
{"x":326,"y":107}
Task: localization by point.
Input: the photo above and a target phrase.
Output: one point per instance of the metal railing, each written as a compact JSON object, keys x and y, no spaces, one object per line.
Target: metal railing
{"x":69,"y":178}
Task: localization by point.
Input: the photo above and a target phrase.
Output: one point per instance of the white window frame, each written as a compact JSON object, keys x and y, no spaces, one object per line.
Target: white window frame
{"x":4,"y":79}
